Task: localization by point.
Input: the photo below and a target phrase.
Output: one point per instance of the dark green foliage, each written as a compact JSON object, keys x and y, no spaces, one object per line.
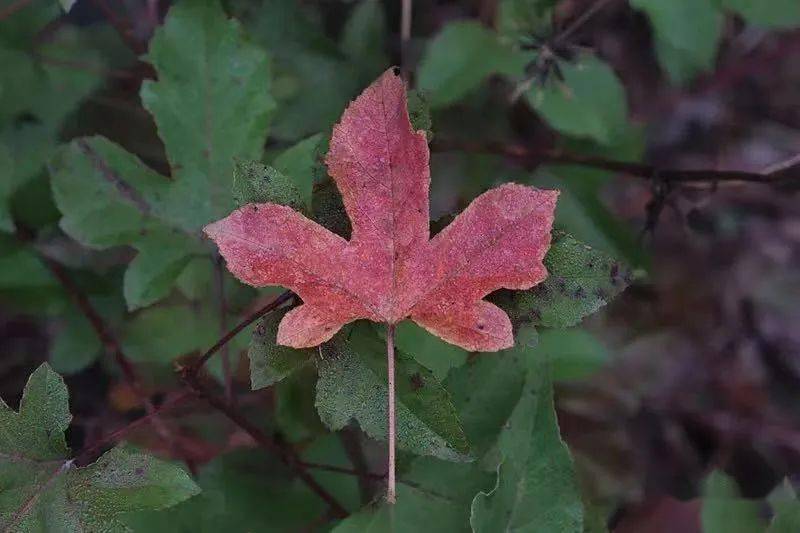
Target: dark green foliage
{"x":45,"y":491}
{"x":580,"y":281}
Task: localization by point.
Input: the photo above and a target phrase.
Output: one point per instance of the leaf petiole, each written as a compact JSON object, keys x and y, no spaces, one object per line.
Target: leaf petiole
{"x":391,"y":495}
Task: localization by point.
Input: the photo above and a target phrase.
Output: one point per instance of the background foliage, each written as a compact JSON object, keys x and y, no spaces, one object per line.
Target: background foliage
{"x":126,"y":127}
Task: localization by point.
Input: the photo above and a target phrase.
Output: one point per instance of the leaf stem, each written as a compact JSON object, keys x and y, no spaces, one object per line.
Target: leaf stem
{"x":405,"y":37}
{"x":391,"y":493}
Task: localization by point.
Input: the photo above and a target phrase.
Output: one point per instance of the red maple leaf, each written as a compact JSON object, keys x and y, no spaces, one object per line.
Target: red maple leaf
{"x":391,"y":269}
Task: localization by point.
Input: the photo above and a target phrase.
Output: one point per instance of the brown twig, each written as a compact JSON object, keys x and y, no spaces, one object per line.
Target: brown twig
{"x":285,"y":454}
{"x":351,"y":442}
{"x":223,"y":326}
{"x":103,"y":332}
{"x":346,"y":471}
{"x":405,"y":37}
{"x":116,"y":436}
{"x":138,"y":48}
{"x":532,"y":157}
{"x":271,"y":306}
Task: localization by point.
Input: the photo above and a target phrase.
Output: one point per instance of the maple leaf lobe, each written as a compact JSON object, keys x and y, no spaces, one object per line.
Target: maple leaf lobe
{"x":390,"y":269}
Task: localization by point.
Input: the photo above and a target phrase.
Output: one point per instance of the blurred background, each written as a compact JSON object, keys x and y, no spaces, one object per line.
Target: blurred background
{"x":695,"y":367}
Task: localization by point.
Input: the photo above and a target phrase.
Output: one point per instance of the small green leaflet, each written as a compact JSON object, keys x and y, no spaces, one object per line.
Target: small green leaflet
{"x":537,"y":489}
{"x":208,"y":112}
{"x":580,"y":281}
{"x":44,"y":491}
{"x":352,"y":385}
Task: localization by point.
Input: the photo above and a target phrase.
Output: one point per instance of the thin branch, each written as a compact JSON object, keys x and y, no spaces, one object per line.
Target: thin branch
{"x":582,"y":19}
{"x":405,"y":36}
{"x":285,"y":454}
{"x":271,"y":306}
{"x":117,"y":435}
{"x":351,"y":442}
{"x":121,"y":27}
{"x":531,"y":157}
{"x":391,"y":490}
{"x":103,"y":332}
{"x":340,"y":470}
{"x":223,"y":325}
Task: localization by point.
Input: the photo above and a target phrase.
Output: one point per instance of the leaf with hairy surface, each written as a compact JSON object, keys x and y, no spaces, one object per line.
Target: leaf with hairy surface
{"x":45,"y":491}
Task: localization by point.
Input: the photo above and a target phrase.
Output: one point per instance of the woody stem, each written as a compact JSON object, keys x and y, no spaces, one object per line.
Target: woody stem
{"x":391,"y":496}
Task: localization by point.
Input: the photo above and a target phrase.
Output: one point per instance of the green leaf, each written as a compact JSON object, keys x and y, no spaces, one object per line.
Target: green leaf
{"x":536,"y":489}
{"x":460,"y":58}
{"x":257,"y":183}
{"x":581,"y":280}
{"x":725,"y":511}
{"x":485,"y":392}
{"x":269,"y":361}
{"x":313,"y":82}
{"x":43,"y":491}
{"x":590,"y":103}
{"x":428,"y":350}
{"x":432,"y":496}
{"x":6,"y":176}
{"x":574,"y":353}
{"x":582,"y":213}
{"x":352,"y":385}
{"x":161,"y":334}
{"x":108,"y":196}
{"x":769,"y":14}
{"x":30,"y":117}
{"x":520,"y":19}
{"x":364,"y":38}
{"x":211,"y":104}
{"x":76,"y":346}
{"x":242,"y":492}
{"x":419,"y":113}
{"x":687,"y":35}
{"x":161,"y":259}
{"x":295,"y":412}
{"x":786,"y":509}
{"x":302,"y":163}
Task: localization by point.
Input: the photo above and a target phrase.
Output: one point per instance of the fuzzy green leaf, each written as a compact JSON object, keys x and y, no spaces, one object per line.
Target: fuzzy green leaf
{"x":269,"y":361}
{"x":537,"y":489}
{"x":352,"y":385}
{"x":581,"y":280}
{"x":257,"y":183}
{"x":43,"y":491}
